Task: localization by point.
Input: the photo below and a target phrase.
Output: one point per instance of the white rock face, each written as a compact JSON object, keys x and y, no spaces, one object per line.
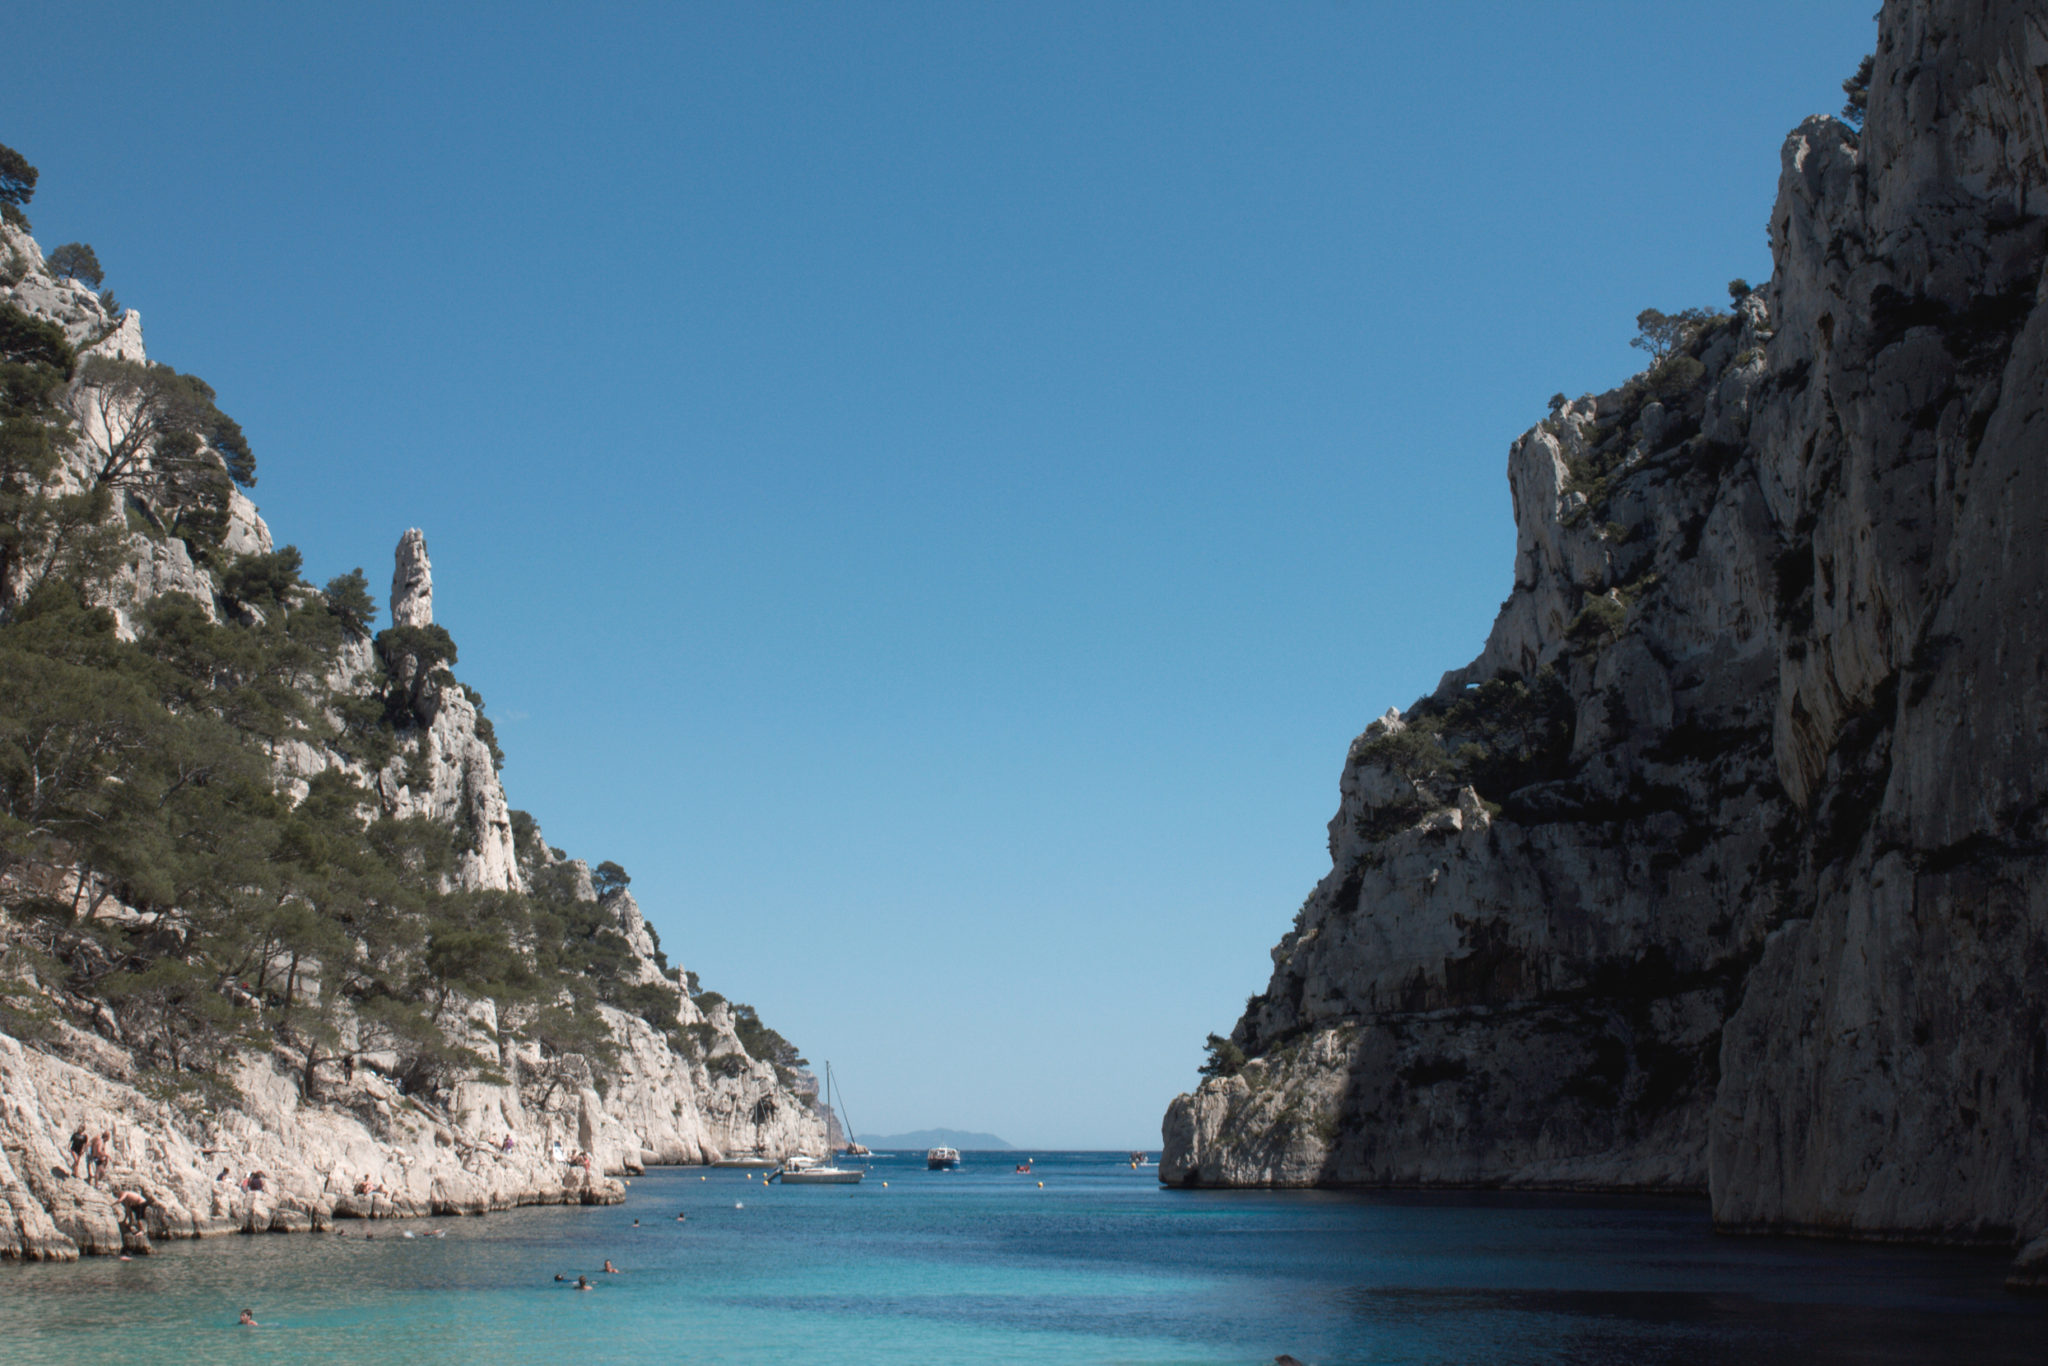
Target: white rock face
{"x":1763,"y":914}
{"x":461,"y":788}
{"x":412,"y":582}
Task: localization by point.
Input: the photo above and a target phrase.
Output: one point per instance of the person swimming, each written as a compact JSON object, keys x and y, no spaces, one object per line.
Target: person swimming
{"x":583,"y":1283}
{"x":248,"y":1320}
{"x":609,"y":1269}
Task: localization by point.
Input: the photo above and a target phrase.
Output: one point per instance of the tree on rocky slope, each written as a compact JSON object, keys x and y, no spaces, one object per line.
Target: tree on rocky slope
{"x":609,"y":877}
{"x":1857,"y":89}
{"x":77,"y":261}
{"x":35,"y":362}
{"x":147,"y":424}
{"x":17,"y":186}
{"x":1661,"y":334}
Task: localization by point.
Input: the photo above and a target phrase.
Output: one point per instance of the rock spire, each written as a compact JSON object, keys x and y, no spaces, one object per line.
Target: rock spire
{"x":412,"y":582}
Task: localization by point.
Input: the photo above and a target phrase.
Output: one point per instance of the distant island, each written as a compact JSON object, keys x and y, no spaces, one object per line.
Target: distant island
{"x":940,"y":1138}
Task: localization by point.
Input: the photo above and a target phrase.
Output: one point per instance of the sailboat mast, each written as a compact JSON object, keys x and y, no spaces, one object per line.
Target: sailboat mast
{"x":844,"y":1119}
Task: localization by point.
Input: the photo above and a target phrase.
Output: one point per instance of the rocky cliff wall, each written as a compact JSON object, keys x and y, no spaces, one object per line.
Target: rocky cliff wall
{"x":1721,"y":867}
{"x":318,"y":1139}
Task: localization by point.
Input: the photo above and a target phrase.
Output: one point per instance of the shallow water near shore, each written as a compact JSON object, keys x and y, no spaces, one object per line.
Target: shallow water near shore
{"x":982,"y":1264}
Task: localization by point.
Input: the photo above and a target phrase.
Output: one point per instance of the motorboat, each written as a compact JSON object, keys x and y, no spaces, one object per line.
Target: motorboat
{"x":942,"y":1159}
{"x":805,"y":1171}
{"x":754,"y":1161}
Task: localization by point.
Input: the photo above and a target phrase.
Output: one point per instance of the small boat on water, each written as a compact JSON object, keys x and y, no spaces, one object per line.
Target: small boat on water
{"x":942,"y":1159}
{"x":805,"y":1171}
{"x":755,"y":1161}
{"x":1140,"y":1160}
{"x":854,"y":1147}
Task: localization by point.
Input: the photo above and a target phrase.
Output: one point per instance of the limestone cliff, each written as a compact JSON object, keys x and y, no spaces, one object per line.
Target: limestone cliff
{"x":338,"y":1122}
{"x":1721,"y":867}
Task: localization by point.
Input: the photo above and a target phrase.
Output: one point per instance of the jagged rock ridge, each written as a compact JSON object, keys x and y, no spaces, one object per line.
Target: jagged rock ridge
{"x":1720,"y":868}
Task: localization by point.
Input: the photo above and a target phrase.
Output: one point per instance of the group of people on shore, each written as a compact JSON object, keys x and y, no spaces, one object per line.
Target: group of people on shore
{"x":91,"y":1153}
{"x":92,"y":1158}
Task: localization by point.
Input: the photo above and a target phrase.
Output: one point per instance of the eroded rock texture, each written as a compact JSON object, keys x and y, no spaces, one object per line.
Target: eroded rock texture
{"x":1725,"y":865}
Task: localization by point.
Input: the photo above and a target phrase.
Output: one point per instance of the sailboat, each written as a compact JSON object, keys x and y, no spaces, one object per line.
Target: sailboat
{"x":805,"y":1171}
{"x":853,"y":1148}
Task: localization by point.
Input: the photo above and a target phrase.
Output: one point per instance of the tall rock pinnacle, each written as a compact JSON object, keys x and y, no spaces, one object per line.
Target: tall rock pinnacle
{"x":412,"y":582}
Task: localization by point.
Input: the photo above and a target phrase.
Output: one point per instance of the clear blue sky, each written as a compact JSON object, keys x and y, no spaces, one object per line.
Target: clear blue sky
{"x":931,"y":489}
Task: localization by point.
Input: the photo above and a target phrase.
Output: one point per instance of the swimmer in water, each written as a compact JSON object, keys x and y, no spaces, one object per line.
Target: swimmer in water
{"x":609,"y":1269}
{"x":248,"y":1320}
{"x":583,"y":1283}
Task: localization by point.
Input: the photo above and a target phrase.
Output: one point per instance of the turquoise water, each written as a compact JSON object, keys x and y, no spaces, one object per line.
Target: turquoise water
{"x":983,"y":1265}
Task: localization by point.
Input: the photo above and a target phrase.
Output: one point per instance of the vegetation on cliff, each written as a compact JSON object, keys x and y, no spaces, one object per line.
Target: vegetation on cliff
{"x":167,"y":881}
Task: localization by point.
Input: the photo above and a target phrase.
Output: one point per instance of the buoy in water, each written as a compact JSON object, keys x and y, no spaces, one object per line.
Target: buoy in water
{"x":737,"y":1205}
{"x":1041,"y":1185}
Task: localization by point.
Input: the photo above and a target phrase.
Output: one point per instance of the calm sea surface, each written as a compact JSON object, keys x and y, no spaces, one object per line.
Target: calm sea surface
{"x":984,"y":1265}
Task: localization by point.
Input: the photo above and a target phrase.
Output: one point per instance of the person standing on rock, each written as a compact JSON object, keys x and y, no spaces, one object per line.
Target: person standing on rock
{"x":97,"y":1158}
{"x":79,"y":1144}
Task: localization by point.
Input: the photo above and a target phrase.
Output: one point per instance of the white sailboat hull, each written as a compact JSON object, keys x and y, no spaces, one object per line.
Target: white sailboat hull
{"x":821,"y":1176}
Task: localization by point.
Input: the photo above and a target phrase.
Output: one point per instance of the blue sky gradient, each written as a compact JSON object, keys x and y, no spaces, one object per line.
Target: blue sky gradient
{"x":931,"y":489}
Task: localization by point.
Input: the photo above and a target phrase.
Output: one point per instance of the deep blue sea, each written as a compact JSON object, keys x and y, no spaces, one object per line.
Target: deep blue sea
{"x":1096,"y":1265}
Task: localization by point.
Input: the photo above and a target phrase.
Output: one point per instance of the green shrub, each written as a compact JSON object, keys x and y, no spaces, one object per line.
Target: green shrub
{"x":1602,"y":619}
{"x":1676,"y":376}
{"x":1225,"y":1058}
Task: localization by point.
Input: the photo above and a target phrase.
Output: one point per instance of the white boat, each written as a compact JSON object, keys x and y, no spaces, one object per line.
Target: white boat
{"x":942,"y":1159}
{"x":805,"y":1171}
